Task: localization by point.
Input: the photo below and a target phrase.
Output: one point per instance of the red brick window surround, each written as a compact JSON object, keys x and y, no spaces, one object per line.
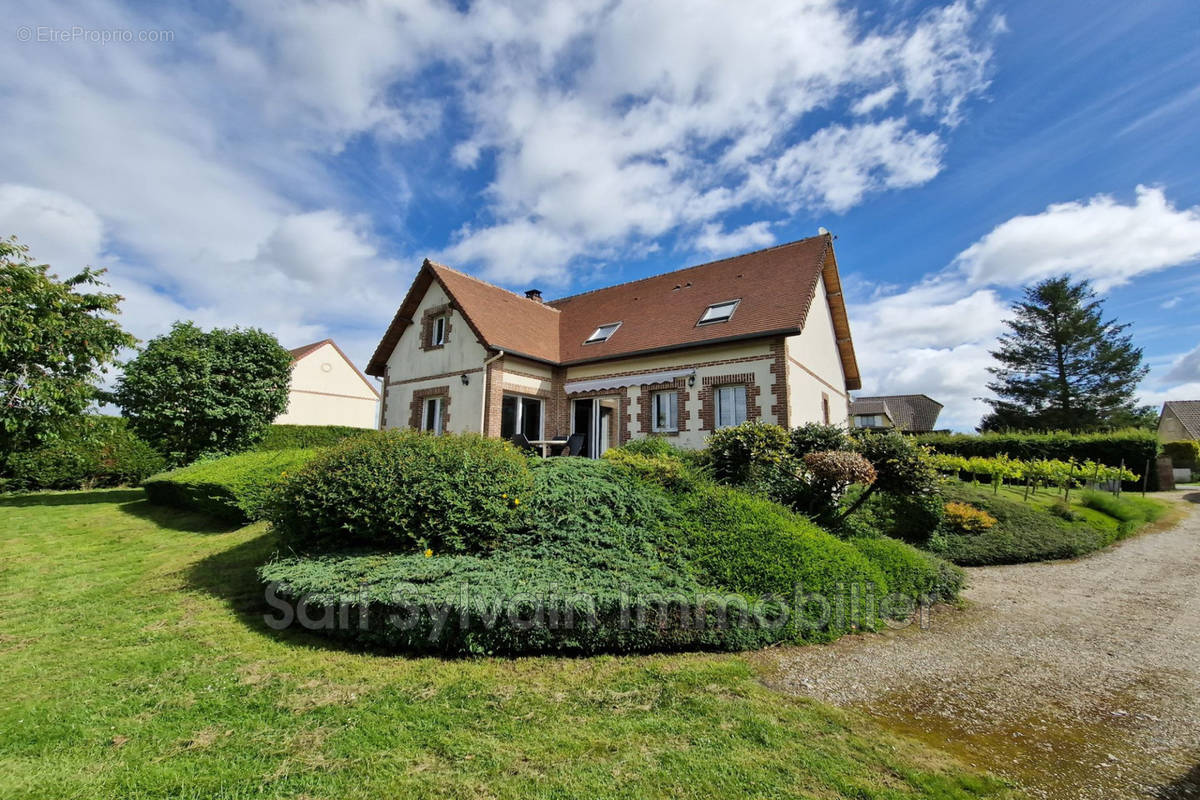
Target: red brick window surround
{"x":429,"y":325}
{"x":645,"y":406}
{"x":416,"y":408}
{"x":708,"y":401}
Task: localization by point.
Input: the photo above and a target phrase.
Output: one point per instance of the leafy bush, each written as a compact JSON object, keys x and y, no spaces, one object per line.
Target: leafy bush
{"x":745,"y":543}
{"x":405,"y":490}
{"x":235,"y":488}
{"x":1134,"y":447}
{"x":666,"y":469}
{"x":747,"y":453}
{"x":813,"y":437}
{"x":909,"y":519}
{"x":901,"y":467}
{"x":589,"y":511}
{"x":1184,"y":454}
{"x":90,"y":451}
{"x":912,"y":572}
{"x":513,"y":604}
{"x":1125,"y":509}
{"x":287,"y":437}
{"x":966,"y":518}
{"x":192,"y":393}
{"x":1062,"y":509}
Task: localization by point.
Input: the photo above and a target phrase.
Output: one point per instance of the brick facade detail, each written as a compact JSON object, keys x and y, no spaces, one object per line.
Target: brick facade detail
{"x":779,"y":377}
{"x":645,"y":414}
{"x":427,"y":319}
{"x":708,"y":405}
{"x":417,"y":406}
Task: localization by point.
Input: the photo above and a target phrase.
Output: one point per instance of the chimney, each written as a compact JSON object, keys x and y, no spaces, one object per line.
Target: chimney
{"x":534,"y":294}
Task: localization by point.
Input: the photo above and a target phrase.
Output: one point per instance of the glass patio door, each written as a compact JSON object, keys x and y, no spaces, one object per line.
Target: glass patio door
{"x":596,"y":418}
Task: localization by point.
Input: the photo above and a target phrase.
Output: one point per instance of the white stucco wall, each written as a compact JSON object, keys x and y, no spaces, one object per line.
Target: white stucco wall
{"x":327,"y":390}
{"x":815,"y":348}
{"x":409,"y":367}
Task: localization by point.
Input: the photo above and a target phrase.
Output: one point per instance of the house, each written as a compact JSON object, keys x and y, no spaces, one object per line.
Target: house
{"x":327,"y":389}
{"x":1179,"y":420}
{"x":910,"y":413}
{"x":759,"y":336}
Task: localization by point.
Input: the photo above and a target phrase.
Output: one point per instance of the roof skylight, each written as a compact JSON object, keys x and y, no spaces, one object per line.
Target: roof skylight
{"x":603,"y":333}
{"x":718,"y":312}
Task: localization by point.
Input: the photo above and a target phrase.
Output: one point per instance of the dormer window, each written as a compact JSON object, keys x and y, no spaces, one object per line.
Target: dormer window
{"x":718,"y":312}
{"x":603,"y":333}
{"x":438,"y":334}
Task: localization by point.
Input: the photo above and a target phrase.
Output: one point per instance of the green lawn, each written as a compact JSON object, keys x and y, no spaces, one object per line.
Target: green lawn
{"x":134,"y":665}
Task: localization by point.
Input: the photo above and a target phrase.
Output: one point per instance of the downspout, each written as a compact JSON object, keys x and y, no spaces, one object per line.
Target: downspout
{"x":483,"y":406}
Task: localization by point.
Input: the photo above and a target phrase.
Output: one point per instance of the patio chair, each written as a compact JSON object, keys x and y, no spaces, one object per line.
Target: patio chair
{"x":573,"y":446}
{"x":522,"y":444}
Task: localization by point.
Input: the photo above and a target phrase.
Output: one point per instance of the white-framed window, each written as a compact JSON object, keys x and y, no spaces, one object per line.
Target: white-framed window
{"x":664,"y":411}
{"x":438,"y":335}
{"x":433,"y":415}
{"x":718,"y":312}
{"x":603,"y":333}
{"x":731,"y":405}
{"x":868,"y":421}
{"x":520,"y":414}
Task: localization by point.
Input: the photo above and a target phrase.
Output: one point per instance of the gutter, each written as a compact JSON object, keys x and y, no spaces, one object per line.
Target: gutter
{"x":483,"y":405}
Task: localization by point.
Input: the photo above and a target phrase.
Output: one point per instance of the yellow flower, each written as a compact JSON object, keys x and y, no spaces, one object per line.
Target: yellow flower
{"x":505,"y":495}
{"x":428,"y":553}
{"x":516,"y":501}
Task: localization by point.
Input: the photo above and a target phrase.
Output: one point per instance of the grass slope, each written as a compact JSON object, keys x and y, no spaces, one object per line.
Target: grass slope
{"x":136,"y":665}
{"x":1026,"y":530}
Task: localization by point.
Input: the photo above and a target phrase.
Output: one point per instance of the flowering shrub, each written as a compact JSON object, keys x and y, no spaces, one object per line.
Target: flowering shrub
{"x":966,"y":518}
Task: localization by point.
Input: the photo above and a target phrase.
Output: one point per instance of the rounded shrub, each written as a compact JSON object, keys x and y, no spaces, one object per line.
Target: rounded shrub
{"x":581,"y":509}
{"x":404,"y":489}
{"x":746,"y":543}
{"x":747,"y":453}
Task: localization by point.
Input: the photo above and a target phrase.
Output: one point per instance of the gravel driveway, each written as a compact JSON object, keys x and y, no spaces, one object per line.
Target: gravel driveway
{"x":1075,"y":679}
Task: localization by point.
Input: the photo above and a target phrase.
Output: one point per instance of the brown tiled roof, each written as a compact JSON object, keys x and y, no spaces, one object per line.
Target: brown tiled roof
{"x":300,"y":352}
{"x":1188,"y":414}
{"x":775,"y":288}
{"x":870,"y":407}
{"x":909,"y":412}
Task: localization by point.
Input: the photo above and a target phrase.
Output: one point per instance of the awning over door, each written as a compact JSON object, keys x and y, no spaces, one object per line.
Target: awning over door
{"x":620,"y":382}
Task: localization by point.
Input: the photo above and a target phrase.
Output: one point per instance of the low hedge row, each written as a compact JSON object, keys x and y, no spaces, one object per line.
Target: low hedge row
{"x":238,"y":488}
{"x":510,"y":604}
{"x":1026,"y":532}
{"x":1133,"y":447}
{"x":91,"y":451}
{"x":290,"y":437}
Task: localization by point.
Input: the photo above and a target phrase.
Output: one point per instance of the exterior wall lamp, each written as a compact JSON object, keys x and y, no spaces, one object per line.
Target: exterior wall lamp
{"x":466,"y":379}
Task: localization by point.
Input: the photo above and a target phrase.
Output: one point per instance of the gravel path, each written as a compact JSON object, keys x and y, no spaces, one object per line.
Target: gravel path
{"x":1076,"y":679}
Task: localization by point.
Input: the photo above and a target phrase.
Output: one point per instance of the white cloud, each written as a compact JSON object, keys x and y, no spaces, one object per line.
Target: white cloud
{"x":875,"y":100}
{"x":1098,"y":238}
{"x":1186,"y":369}
{"x":716,"y":241}
{"x":934,"y":339}
{"x":838,"y":165}
{"x":58,"y":229}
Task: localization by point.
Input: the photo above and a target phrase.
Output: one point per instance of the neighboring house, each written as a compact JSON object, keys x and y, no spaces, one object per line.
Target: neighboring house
{"x":760,"y":336}
{"x":1179,"y":420}
{"x":327,"y":389}
{"x":910,"y":413}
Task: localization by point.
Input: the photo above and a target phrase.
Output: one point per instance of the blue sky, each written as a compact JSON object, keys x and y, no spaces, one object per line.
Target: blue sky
{"x":288,"y":165}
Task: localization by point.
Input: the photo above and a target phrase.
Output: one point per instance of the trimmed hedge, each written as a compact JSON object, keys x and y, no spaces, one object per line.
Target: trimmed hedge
{"x":1134,"y":446}
{"x":746,"y":543}
{"x":1024,"y":532}
{"x":237,"y":488}
{"x":91,"y":451}
{"x":1184,"y":453}
{"x":405,"y":490}
{"x":912,"y":572}
{"x":510,"y":604}
{"x":288,"y":437}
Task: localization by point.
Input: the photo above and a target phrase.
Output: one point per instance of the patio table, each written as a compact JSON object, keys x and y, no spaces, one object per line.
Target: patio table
{"x":545,"y":444}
